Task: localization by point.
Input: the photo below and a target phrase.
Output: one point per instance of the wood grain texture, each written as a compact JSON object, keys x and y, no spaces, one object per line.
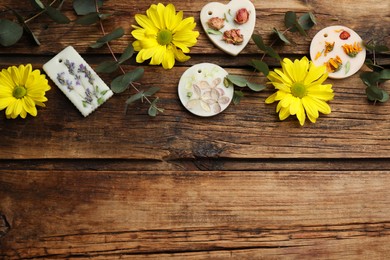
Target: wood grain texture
{"x":242,"y":214}
{"x":239,"y":185}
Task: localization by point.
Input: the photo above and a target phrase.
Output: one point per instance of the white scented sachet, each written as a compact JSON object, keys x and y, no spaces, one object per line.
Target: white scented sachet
{"x":79,"y":82}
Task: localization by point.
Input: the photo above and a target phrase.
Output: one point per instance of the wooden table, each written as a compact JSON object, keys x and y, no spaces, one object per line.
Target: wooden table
{"x":241,"y":184}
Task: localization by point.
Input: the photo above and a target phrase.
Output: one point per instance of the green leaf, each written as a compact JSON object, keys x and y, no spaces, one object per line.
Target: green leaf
{"x":347,"y":67}
{"x":121,"y":83}
{"x":281,"y":36}
{"x":153,"y":109}
{"x":117,"y":33}
{"x":271,"y":52}
{"x":83,"y":7}
{"x":151,"y":91}
{"x":385,"y":74}
{"x":375,"y":67}
{"x":37,"y":4}
{"x":376,"y":94}
{"x":56,"y":15}
{"x":307,"y":21}
{"x":255,"y":87}
{"x":259,"y":42}
{"x":214,"y":32}
{"x":370,"y":79}
{"x":290,"y":19}
{"x":107,"y":67}
{"x":135,"y":97}
{"x":25,"y":26}
{"x":260,"y":66}
{"x":237,"y":80}
{"x":10,"y":32}
{"x":376,"y":48}
{"x":237,"y":96}
{"x":127,"y":54}
{"x":88,"y":19}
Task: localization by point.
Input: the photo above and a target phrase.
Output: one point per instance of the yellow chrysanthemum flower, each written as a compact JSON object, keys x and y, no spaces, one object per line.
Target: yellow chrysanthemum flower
{"x":300,"y":90}
{"x":163,"y":35}
{"x":21,"y":89}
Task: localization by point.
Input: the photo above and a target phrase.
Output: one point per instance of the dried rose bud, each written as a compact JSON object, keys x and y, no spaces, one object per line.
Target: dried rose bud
{"x":216,"y":23}
{"x":242,"y":16}
{"x":344,"y":35}
{"x":233,"y":36}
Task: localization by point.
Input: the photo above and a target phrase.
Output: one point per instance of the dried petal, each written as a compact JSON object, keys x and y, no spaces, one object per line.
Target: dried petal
{"x":196,"y":90}
{"x":205,"y":106}
{"x":216,"y":23}
{"x":191,"y":104}
{"x":223,"y":100}
{"x":206,"y":95}
{"x":214,"y":94}
{"x":217,"y":108}
{"x":344,"y":35}
{"x":216,"y":81}
{"x":221,"y":91}
{"x":233,"y":36}
{"x":242,"y":16}
{"x":204,"y":84}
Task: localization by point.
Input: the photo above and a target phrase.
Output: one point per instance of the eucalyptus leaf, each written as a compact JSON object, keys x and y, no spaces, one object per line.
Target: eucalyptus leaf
{"x":10,"y":32}
{"x":56,"y":15}
{"x":271,"y":52}
{"x":151,"y":91}
{"x":117,"y":33}
{"x":259,"y":42}
{"x":83,"y":7}
{"x":307,"y":21}
{"x":255,"y":87}
{"x":237,"y":96}
{"x":385,"y":74}
{"x":107,"y":67}
{"x":290,"y":19}
{"x":237,"y":80}
{"x":134,"y":97}
{"x":376,"y":48}
{"x":121,"y":83}
{"x":370,"y":79}
{"x":127,"y":54}
{"x":375,"y":67}
{"x":88,"y":19}
{"x":281,"y":36}
{"x":260,"y":66}
{"x":377,"y":94}
{"x":37,"y":4}
{"x":153,"y":109}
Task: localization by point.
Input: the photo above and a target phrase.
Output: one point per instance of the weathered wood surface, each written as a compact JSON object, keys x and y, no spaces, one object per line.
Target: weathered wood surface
{"x":241,"y":184}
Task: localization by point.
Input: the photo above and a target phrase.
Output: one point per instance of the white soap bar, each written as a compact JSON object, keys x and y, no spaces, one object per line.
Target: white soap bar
{"x":79,"y":82}
{"x":202,"y":91}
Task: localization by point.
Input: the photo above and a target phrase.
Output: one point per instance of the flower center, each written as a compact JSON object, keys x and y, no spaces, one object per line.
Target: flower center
{"x":164,"y":37}
{"x":298,"y":90}
{"x":19,"y":92}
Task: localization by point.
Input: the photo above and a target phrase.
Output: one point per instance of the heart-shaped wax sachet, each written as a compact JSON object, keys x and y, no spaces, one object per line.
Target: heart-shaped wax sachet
{"x":229,"y":26}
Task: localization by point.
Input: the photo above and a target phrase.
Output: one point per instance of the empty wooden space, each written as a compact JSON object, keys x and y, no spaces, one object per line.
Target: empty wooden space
{"x":238,"y":185}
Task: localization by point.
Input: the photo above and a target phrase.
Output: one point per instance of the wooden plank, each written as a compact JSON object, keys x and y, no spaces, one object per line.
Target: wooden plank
{"x":356,"y":15}
{"x":112,"y":214}
{"x":355,"y":128}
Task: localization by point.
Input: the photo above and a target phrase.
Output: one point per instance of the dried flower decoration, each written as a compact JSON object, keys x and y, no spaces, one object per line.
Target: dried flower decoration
{"x":233,"y":36}
{"x":216,"y":23}
{"x":334,"y":64}
{"x":21,"y":90}
{"x":242,"y":16}
{"x":352,"y":49}
{"x":300,"y":90}
{"x":163,"y":36}
{"x":344,"y":35}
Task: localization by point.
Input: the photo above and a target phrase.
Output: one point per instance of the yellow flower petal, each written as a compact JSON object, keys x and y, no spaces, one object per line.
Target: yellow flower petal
{"x":22,"y":104}
{"x":162,"y":22}
{"x":300,"y":90}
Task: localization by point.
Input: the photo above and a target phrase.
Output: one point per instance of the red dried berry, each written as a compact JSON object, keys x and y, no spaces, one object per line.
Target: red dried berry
{"x":344,"y":35}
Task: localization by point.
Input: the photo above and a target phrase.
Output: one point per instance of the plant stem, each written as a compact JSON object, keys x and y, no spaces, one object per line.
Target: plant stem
{"x":38,"y":14}
{"x":113,"y":54}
